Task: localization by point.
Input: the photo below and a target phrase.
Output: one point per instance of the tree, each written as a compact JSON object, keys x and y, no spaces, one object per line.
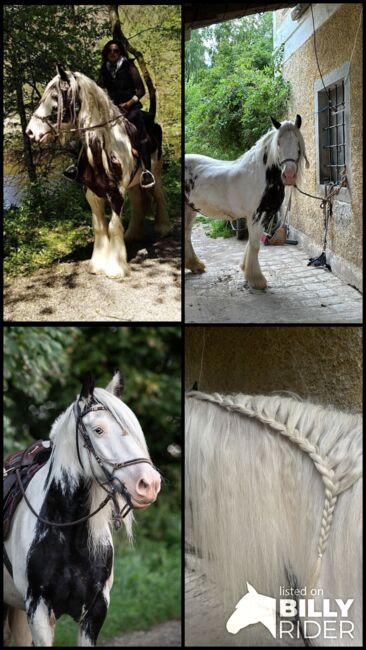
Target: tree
{"x":66,"y":36}
{"x":230,"y":101}
{"x":44,"y":367}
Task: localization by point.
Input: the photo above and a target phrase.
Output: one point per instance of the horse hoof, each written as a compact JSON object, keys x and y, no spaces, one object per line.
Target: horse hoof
{"x":197,"y":268}
{"x":117,"y":273}
{"x":164,"y":231}
{"x":133,"y":236}
{"x":258,"y":285}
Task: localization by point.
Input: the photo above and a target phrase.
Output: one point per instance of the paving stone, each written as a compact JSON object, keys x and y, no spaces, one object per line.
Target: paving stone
{"x":296,"y":293}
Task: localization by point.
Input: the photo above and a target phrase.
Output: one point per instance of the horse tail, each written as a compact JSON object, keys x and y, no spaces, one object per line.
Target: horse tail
{"x":152,"y":107}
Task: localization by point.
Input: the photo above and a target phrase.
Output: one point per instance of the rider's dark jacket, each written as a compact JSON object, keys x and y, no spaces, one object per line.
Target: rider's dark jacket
{"x":121,"y":88}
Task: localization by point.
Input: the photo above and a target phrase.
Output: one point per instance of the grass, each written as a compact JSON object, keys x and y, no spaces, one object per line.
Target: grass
{"x":218,"y":227}
{"x":53,"y":222}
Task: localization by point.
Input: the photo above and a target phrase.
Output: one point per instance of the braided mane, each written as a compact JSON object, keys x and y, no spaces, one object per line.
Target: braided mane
{"x":317,"y":432}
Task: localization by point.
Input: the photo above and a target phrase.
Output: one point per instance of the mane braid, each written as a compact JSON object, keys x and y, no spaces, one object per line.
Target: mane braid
{"x":332,"y":488}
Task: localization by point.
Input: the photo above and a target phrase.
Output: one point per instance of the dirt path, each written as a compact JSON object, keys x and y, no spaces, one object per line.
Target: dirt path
{"x":163,"y":635}
{"x":68,"y":292}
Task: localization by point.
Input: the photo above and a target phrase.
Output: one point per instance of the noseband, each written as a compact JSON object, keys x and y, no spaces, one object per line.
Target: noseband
{"x":114,"y":484}
{"x":290,"y":160}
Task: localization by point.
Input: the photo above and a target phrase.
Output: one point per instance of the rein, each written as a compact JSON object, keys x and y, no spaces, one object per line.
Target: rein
{"x":77,"y":129}
{"x":116,"y":486}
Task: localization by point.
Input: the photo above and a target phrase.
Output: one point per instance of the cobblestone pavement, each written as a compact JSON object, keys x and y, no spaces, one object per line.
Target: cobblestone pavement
{"x":296,"y":293}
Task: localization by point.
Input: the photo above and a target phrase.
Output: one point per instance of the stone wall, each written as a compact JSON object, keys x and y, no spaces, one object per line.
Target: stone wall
{"x":334,"y":41}
{"x":321,"y":364}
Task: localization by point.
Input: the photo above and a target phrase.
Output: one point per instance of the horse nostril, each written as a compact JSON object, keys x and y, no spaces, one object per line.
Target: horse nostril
{"x":142,"y":486}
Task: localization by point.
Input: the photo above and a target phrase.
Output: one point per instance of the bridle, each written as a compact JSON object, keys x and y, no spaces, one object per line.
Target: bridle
{"x":114,"y":484}
{"x":56,"y":131}
{"x":94,"y":405}
{"x":282,"y":162}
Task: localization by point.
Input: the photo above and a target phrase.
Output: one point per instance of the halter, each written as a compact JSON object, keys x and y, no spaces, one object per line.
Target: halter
{"x":116,"y":486}
{"x":282,"y":162}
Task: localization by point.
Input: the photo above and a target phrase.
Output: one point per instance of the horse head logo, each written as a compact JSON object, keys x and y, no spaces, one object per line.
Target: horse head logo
{"x":253,"y":608}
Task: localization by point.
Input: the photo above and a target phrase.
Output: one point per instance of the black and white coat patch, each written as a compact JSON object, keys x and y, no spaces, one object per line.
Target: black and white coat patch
{"x":66,"y":577}
{"x":250,"y":187}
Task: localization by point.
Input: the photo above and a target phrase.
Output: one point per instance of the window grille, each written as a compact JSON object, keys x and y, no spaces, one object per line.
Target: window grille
{"x":332,"y":133}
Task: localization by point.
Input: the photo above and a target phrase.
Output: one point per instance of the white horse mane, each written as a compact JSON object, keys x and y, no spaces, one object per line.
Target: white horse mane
{"x":255,"y":509}
{"x":268,"y":143}
{"x":95,"y":108}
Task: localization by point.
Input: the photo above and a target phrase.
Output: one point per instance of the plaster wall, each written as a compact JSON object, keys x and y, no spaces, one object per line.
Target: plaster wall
{"x":320,"y":364}
{"x":335,"y":38}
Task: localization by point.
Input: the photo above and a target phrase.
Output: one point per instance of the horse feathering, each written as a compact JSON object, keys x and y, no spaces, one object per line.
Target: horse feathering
{"x":273,"y":490}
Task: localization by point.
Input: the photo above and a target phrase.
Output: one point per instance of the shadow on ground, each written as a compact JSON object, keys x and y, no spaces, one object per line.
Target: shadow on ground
{"x":68,"y":292}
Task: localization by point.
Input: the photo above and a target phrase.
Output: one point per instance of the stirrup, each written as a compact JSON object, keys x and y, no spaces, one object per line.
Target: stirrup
{"x":71,"y":173}
{"x":151,"y":183}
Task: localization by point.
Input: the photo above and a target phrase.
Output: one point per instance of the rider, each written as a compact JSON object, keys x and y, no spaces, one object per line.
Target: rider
{"x":121,"y":80}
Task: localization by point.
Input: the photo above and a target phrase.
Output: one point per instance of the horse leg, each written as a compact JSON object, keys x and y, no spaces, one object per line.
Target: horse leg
{"x":250,"y":263}
{"x":18,"y":632}
{"x":41,"y":621}
{"x":162,"y":223}
{"x":135,"y":230}
{"x":192,"y":262}
{"x":100,"y":227}
{"x":92,"y":623}
{"x":116,"y":266}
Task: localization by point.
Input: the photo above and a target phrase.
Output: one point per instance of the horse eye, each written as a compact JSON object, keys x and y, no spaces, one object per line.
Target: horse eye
{"x":98,"y":430}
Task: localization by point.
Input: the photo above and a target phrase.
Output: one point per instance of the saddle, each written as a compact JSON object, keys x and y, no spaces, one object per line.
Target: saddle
{"x":28,"y":462}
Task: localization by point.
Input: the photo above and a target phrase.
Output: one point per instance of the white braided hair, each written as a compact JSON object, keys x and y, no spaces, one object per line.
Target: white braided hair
{"x":337,"y":473}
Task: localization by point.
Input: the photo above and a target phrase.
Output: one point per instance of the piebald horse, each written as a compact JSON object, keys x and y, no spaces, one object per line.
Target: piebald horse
{"x":251,"y":186}
{"x":74,"y":105}
{"x":59,"y":553}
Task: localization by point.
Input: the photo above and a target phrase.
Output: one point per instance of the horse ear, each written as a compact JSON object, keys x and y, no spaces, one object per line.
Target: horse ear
{"x":62,"y":72}
{"x":87,"y":388}
{"x":251,"y":589}
{"x":116,"y":385}
{"x":298,"y":121}
{"x":275,"y":123}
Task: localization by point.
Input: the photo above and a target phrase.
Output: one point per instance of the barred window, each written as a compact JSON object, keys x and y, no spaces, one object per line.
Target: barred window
{"x":332,"y":133}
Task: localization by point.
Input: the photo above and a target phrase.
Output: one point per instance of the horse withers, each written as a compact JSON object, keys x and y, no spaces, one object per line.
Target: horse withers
{"x":251,"y":186}
{"x":73,"y":104}
{"x":59,"y":553}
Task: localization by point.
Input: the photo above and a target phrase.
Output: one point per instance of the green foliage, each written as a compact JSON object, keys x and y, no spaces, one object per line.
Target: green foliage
{"x":149,"y":358}
{"x":52,"y":220}
{"x":233,"y":85}
{"x":31,"y":356}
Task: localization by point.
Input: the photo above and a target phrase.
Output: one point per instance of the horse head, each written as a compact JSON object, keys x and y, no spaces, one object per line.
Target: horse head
{"x":289,"y":149}
{"x":110,"y":443}
{"x":58,"y":106}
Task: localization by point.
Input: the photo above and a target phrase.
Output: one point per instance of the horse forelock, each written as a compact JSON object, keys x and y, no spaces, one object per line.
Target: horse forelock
{"x":123,"y":414}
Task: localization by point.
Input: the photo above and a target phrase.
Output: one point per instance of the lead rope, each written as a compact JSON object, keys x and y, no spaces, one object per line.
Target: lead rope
{"x":327,"y":207}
